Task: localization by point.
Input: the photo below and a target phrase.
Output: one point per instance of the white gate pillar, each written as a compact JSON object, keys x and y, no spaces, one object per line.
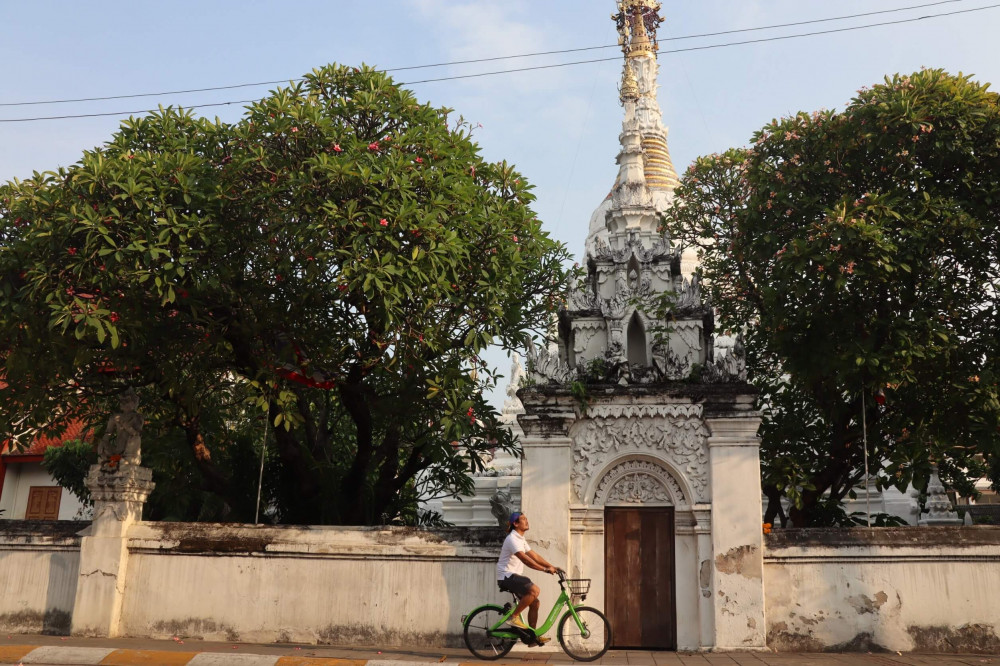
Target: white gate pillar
{"x":737,"y":535}
{"x":119,"y":494}
{"x":545,"y":486}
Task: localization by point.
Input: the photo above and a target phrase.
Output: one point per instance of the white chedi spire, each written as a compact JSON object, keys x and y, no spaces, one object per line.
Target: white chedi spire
{"x":643,"y":138}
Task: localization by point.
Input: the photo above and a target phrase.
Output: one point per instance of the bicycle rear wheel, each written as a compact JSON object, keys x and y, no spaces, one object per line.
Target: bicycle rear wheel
{"x":477,"y":634}
{"x":589,"y":643}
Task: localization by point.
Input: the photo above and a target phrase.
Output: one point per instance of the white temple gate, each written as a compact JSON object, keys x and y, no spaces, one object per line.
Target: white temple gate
{"x":641,"y":462}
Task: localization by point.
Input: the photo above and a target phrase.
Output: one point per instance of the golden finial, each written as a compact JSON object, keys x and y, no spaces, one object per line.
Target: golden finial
{"x":630,"y":85}
{"x":637,"y":21}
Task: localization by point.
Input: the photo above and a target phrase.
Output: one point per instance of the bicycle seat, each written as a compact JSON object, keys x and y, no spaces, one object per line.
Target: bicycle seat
{"x":500,"y":587}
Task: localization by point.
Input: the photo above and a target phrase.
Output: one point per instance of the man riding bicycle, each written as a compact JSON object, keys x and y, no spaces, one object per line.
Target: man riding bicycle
{"x":514,"y":554}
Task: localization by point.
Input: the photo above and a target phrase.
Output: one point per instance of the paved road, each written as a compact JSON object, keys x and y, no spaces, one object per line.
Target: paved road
{"x":55,"y":651}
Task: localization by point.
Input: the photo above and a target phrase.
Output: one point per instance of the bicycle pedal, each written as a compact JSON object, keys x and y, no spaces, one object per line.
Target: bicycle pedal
{"x":527,"y":637}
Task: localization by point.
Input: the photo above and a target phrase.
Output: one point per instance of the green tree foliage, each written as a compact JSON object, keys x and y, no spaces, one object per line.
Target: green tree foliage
{"x":858,"y":252}
{"x":337,"y":259}
{"x":68,"y":464}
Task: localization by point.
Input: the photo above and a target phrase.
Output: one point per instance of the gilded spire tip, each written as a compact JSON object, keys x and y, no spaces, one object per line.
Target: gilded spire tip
{"x":637,"y":22}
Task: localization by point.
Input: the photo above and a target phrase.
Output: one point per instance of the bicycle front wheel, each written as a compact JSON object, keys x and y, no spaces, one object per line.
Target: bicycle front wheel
{"x":589,"y":640}
{"x":477,"y":634}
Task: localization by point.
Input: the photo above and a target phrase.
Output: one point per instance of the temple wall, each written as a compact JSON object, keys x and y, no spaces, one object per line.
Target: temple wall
{"x":370,"y":586}
{"x":925,"y":589}
{"x":39,"y":562}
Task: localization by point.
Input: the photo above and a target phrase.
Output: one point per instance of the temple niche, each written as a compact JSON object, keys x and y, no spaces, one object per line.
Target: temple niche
{"x":641,"y":462}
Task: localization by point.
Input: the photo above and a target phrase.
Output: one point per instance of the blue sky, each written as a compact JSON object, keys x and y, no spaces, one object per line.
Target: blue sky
{"x":559,"y":126}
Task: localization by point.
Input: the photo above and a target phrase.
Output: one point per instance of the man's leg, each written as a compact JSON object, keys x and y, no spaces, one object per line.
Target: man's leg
{"x":533,"y":608}
{"x":529,"y":599}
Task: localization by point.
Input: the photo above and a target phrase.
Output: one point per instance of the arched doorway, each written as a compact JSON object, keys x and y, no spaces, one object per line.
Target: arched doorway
{"x":640,"y":595}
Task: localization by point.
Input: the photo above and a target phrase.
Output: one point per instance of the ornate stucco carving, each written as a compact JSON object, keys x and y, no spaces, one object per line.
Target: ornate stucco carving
{"x":584,"y":298}
{"x":623,"y":302}
{"x":688,"y":297}
{"x":614,"y":308}
{"x":546,"y":367}
{"x":728,"y":368}
{"x":689,"y":332}
{"x":584,"y":332}
{"x":633,"y":246}
{"x":638,"y":482}
{"x":673,"y":432}
{"x":668,"y":366}
{"x":512,"y":405}
{"x":678,"y":410}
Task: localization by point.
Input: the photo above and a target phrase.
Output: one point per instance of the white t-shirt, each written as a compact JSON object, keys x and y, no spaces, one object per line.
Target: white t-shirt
{"x":509,"y":563}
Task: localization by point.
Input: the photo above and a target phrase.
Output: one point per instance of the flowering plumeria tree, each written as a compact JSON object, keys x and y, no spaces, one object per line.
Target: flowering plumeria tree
{"x":858,"y":252}
{"x":338,"y":259}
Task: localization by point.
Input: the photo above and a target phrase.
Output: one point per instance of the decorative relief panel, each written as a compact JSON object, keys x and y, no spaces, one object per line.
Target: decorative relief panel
{"x":675,"y":432}
{"x":584,"y":332}
{"x":690,"y":333}
{"x":639,"y":482}
{"x":683,"y":410}
{"x":545,"y":367}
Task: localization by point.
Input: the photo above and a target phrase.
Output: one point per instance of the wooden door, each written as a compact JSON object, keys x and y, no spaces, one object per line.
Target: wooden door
{"x":43,"y":503}
{"x":639,"y":584}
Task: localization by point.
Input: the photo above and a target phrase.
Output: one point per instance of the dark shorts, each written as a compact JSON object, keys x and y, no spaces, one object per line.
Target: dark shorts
{"x":519,"y":585}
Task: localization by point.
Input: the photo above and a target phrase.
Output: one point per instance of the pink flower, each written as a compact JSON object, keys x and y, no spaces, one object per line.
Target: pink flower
{"x":419,"y":160}
{"x":373,"y":146}
{"x":384,"y":222}
{"x":71,"y":250}
{"x":515,"y":239}
{"x":337,"y":148}
{"x":295,"y":129}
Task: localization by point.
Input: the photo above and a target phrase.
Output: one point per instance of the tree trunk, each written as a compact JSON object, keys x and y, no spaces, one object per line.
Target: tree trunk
{"x":307,"y":504}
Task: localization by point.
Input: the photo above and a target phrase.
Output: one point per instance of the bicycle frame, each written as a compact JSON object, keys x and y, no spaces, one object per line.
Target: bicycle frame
{"x":565,"y":599}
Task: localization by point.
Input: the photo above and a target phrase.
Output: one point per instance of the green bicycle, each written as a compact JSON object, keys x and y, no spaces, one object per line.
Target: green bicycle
{"x":584,"y":633}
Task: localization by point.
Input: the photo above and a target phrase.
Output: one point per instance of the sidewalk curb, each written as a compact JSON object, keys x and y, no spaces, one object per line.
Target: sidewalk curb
{"x":88,"y":656}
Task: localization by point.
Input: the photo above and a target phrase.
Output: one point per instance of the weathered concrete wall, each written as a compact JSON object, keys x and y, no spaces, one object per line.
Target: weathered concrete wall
{"x":39,"y":561}
{"x":385,"y":586}
{"x":927,"y":589}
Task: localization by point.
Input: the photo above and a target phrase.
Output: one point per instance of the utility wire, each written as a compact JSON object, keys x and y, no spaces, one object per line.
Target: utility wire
{"x":540,"y":67}
{"x":479,"y":60}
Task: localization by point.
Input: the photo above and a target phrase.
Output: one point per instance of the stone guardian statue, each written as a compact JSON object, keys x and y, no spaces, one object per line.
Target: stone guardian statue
{"x":122,"y":437}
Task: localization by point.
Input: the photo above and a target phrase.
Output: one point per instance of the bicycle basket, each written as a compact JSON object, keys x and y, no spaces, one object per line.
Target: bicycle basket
{"x":578,"y":587}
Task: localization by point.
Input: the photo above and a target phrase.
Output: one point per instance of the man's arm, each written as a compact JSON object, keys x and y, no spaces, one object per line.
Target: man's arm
{"x":536,"y":561}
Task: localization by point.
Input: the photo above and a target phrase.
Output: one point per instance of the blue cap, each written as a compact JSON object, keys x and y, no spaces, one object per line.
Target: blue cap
{"x":514,"y":517}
